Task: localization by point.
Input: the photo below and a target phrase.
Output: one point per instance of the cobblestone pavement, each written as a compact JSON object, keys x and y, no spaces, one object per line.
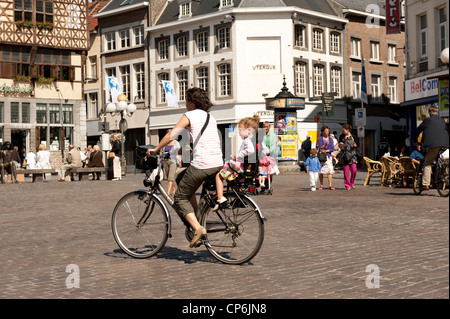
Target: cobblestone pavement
{"x":323,"y":244}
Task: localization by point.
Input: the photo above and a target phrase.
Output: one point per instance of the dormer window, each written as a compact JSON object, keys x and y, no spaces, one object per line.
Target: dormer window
{"x":226,"y":3}
{"x":185,"y":10}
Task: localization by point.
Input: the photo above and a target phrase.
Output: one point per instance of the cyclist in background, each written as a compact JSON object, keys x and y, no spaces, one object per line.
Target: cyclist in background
{"x":434,"y":137}
{"x":207,"y":158}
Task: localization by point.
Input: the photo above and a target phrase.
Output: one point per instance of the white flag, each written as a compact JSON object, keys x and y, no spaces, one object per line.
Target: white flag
{"x":171,"y":97}
{"x":114,"y":88}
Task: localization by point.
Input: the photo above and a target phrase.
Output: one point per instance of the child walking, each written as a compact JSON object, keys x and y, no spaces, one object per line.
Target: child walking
{"x":247,"y":128}
{"x":314,"y":168}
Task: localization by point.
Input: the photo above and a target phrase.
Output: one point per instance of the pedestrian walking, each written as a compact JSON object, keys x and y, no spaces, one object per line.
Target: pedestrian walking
{"x":348,"y":157}
{"x":314,"y":167}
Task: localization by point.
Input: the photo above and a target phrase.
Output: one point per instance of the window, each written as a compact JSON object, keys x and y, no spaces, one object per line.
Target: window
{"x":54,"y":64}
{"x":318,"y":80}
{"x":182,"y":77}
{"x":23,"y":10}
{"x":163,"y":49}
{"x":54,"y":114}
{"x":317,"y":39}
{"x":14,"y":112}
{"x":443,"y":36}
{"x":356,"y":85}
{"x":335,"y":42}
{"x":375,"y":87}
{"x":223,"y":38}
{"x":182,"y":46}
{"x":140,"y":81}
{"x":124,"y":38}
{"x":355,"y":48}
{"x":93,"y":106}
{"x":224,"y":80}
{"x":25,"y":112}
{"x":139,"y":35}
{"x":92,"y":67}
{"x":336,"y":75}
{"x":226,"y":3}
{"x":201,"y":40}
{"x":125,"y":77}
{"x":300,"y":36}
{"x":44,"y":11}
{"x":203,"y":78}
{"x":110,"y":41}
{"x":374,"y":51}
{"x":67,"y":113}
{"x":300,"y":78}
{"x":162,"y":92}
{"x":41,"y":113}
{"x":392,"y":51}
{"x":21,"y":58}
{"x":393,"y":89}
{"x":185,"y":10}
{"x":423,"y":35}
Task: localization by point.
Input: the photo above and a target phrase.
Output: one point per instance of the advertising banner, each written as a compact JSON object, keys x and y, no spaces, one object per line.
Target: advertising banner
{"x":443,"y":97}
{"x":286,"y":131}
{"x":393,"y":16}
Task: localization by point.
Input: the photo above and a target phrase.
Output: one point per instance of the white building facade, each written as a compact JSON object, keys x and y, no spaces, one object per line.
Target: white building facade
{"x":240,"y":53}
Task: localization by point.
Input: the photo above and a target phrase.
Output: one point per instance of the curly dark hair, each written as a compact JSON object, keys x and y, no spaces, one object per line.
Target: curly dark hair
{"x":348,"y":127}
{"x":200,"y":98}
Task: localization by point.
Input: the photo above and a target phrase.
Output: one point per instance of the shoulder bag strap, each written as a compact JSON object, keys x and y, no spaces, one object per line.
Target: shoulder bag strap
{"x":201,"y":132}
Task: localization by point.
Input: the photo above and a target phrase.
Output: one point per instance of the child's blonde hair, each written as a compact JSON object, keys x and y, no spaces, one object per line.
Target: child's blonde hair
{"x":250,"y":122}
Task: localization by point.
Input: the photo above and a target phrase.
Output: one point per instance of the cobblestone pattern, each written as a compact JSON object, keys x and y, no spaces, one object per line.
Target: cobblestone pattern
{"x":317,"y":245}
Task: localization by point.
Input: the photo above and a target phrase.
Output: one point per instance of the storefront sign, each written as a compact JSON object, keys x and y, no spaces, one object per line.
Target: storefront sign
{"x":421,"y":87}
{"x":15,"y":89}
{"x":393,"y":16}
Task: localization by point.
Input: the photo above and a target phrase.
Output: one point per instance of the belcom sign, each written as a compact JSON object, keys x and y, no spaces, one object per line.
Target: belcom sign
{"x":393,"y":16}
{"x":420,"y":88}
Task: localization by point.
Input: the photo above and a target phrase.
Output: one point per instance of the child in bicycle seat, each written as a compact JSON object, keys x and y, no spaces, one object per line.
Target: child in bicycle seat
{"x":247,"y":128}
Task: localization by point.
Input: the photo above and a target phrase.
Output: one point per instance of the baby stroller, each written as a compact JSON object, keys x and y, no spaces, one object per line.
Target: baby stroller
{"x":267,"y":164}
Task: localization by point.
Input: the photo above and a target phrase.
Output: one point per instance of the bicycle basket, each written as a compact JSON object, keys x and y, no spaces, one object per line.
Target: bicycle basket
{"x":144,"y":162}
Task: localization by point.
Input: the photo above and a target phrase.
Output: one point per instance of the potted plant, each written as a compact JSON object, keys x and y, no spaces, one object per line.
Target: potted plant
{"x":22,"y":78}
{"x":44,"y":25}
{"x":43,"y":79}
{"x":24,"y":23}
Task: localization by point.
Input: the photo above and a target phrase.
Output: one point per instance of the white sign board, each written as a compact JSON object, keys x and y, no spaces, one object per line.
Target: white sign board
{"x":421,"y":87}
{"x":360,"y":117}
{"x":361,"y":131}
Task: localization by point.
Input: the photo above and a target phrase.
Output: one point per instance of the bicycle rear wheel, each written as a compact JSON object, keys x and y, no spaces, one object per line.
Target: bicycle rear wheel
{"x":140,"y":224}
{"x":417,"y":182}
{"x":443,"y":184}
{"x":235,"y":234}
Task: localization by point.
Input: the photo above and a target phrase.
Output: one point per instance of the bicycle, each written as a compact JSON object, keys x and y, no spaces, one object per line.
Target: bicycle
{"x":141,"y":223}
{"x":439,"y":176}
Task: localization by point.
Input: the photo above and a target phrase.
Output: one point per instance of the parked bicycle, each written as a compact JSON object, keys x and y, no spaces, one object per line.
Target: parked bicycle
{"x":439,"y":176}
{"x":141,"y":223}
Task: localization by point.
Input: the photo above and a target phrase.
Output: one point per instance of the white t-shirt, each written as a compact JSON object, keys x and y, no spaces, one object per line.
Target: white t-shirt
{"x":208,"y":152}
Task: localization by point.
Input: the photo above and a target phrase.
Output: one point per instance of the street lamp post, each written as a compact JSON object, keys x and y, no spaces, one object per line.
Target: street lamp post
{"x":124,"y":109}
{"x":445,"y":56}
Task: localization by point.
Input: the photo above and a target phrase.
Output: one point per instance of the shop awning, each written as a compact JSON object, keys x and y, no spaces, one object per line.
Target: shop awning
{"x":423,"y":101}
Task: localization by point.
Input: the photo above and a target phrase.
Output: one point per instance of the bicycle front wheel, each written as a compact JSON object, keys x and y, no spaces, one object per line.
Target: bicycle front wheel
{"x":140,"y":224}
{"x":234,"y":234}
{"x":442,"y":184}
{"x":417,"y":182}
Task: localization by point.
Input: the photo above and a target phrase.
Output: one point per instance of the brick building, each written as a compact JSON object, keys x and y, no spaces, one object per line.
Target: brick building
{"x":384,"y":61}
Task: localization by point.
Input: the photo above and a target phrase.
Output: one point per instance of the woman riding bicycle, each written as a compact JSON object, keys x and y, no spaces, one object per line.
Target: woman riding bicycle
{"x":207,"y":156}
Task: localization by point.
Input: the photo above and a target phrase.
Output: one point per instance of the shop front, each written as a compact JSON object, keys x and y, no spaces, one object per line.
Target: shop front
{"x":420,"y":94}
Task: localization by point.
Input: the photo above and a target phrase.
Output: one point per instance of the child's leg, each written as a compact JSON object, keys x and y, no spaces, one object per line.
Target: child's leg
{"x":219,"y":186}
